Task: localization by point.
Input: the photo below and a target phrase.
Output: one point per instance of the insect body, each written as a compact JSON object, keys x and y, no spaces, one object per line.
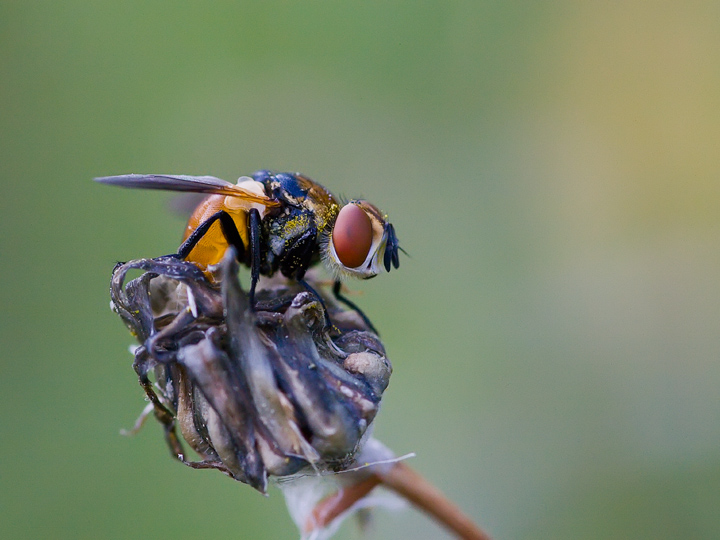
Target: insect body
{"x":278,"y":222}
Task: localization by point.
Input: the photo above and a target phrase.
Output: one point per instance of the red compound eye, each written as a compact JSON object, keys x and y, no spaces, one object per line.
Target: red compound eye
{"x":352,"y":236}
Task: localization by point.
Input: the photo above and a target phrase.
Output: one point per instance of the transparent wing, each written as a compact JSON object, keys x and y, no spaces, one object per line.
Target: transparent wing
{"x":194,"y":184}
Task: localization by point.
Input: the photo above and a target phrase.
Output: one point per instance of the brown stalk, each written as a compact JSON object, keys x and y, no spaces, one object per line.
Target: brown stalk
{"x":410,"y":485}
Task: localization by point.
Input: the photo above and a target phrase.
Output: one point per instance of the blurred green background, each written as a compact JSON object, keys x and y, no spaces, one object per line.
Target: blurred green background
{"x":551,"y":167}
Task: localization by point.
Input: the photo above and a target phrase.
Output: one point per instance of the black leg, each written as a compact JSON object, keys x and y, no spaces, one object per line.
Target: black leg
{"x":353,"y":306}
{"x":254,"y":226}
{"x":233,"y":238}
{"x":229,"y":230}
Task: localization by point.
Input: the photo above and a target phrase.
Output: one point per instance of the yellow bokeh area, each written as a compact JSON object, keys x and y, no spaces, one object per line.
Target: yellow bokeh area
{"x":632,"y":121}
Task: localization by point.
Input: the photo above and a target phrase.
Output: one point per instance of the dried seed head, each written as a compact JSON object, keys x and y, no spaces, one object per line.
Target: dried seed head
{"x":260,"y":392}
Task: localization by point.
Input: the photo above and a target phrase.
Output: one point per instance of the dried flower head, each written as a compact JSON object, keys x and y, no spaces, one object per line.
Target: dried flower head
{"x":255,"y":392}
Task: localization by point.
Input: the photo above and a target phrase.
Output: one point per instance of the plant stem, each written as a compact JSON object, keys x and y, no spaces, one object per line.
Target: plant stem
{"x":410,"y":485}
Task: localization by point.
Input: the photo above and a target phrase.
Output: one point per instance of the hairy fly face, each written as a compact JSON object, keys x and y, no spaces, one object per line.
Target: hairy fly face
{"x":361,"y":242}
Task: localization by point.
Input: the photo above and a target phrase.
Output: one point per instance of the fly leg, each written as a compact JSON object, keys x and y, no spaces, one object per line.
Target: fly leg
{"x":296,"y":260}
{"x":336,"y":291}
{"x":254,"y":226}
{"x":233,"y":238}
{"x":229,"y":230}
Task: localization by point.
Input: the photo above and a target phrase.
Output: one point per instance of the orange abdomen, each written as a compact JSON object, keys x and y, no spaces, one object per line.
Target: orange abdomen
{"x":211,"y":247}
